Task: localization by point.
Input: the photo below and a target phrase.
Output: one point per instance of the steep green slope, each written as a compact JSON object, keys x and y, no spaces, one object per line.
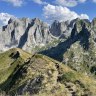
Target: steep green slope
{"x":11,"y":60}
{"x":41,"y":76}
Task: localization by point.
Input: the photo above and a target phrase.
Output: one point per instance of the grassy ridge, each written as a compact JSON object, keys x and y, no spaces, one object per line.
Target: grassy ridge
{"x":40,"y":75}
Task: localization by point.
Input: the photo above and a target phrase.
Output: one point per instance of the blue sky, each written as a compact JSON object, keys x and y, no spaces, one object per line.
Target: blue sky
{"x":47,"y":10}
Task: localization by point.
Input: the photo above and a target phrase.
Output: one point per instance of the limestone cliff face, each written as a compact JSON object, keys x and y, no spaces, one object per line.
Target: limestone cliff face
{"x":24,"y":33}
{"x":61,"y":29}
{"x":30,"y":34}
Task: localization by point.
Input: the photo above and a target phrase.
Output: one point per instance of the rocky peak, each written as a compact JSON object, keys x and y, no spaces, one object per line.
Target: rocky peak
{"x":10,"y":20}
{"x":29,"y":33}
{"x":57,"y":28}
{"x":37,"y":20}
{"x":79,"y":26}
{"x":93,"y":24}
{"x":24,"y":33}
{"x":40,"y":23}
{"x":81,"y":23}
{"x":94,"y":21}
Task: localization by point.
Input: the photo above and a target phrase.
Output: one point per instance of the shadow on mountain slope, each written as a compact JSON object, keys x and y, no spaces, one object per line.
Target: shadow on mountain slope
{"x":24,"y":37}
{"x":58,"y":51}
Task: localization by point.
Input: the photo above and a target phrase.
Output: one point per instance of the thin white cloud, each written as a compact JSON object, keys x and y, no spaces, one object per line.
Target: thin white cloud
{"x":4,"y":17}
{"x":83,"y":16}
{"x":16,"y":3}
{"x":60,"y":13}
{"x":94,"y":1}
{"x":69,"y":3}
{"x":82,"y":1}
{"x":40,"y":2}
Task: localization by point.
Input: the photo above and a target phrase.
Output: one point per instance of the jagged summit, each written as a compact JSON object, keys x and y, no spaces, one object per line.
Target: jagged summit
{"x":10,"y":20}
{"x":24,"y":33}
{"x":30,"y":34}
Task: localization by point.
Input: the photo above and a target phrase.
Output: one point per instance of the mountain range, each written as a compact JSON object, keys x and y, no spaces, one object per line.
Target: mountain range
{"x":41,"y":59}
{"x":28,"y":33}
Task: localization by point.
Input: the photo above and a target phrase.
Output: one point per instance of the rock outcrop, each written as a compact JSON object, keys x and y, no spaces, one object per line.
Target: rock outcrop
{"x":62,"y":30}
{"x":24,"y":33}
